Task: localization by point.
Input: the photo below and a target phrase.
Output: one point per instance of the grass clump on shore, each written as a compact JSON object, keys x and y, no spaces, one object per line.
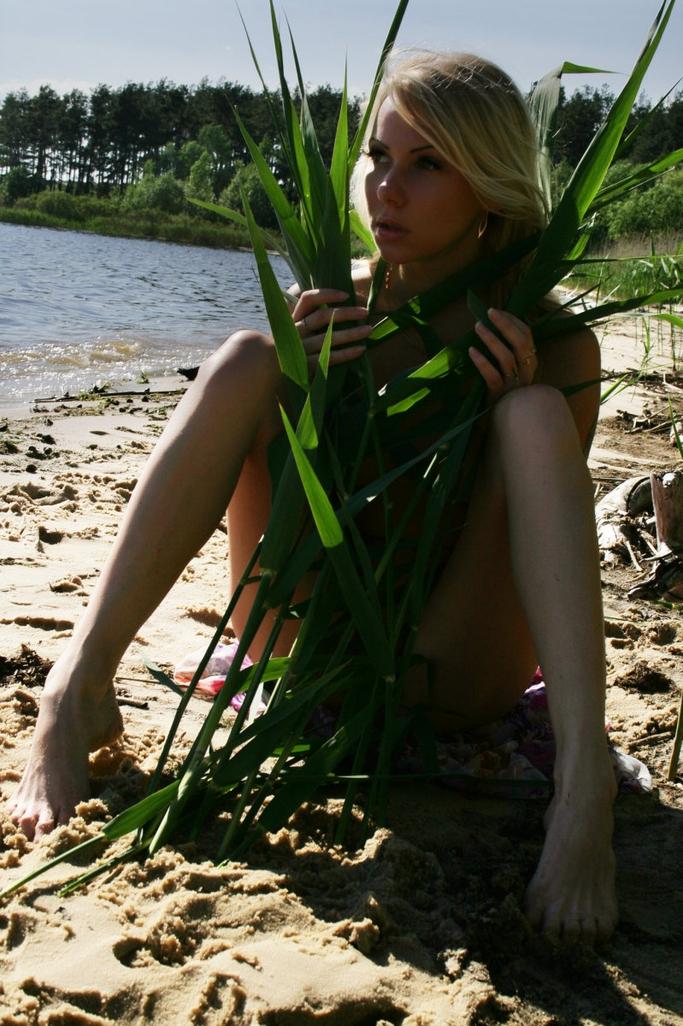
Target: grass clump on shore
{"x":53,"y":209}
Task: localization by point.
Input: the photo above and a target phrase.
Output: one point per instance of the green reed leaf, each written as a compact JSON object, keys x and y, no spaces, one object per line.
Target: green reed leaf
{"x":670,"y":318}
{"x":354,"y":149}
{"x":298,"y":244}
{"x":641,"y":177}
{"x":301,"y":784}
{"x":288,"y":344}
{"x":324,"y":516}
{"x":585,"y":182}
{"x":643,"y":122}
{"x":543,"y":104}
{"x":238,"y":218}
{"x":339,"y":166}
{"x":361,"y":231}
{"x":555,"y":326}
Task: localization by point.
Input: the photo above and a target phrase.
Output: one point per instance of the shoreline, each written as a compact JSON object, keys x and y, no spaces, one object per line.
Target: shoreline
{"x":177,"y":229}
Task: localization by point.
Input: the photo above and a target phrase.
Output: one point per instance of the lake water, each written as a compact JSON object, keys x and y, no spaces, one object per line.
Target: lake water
{"x":78,"y":310}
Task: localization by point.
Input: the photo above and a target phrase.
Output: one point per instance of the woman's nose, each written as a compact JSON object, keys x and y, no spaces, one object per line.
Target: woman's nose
{"x":391,"y":189}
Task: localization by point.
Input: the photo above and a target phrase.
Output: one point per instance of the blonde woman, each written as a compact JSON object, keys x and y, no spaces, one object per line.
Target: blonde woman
{"x":449,"y":174}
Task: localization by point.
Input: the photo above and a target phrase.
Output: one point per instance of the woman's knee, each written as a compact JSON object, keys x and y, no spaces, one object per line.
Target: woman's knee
{"x":243,"y":377}
{"x":535,"y":414}
{"x":246,"y":358}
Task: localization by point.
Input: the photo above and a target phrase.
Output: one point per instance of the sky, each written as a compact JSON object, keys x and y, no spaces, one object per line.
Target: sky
{"x":81,"y":43}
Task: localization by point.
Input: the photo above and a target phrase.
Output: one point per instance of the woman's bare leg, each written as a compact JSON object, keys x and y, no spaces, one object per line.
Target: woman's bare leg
{"x":546,"y":604}
{"x":181,"y":496}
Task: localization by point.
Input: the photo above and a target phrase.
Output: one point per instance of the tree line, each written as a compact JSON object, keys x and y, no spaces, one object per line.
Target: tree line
{"x":101,"y":143}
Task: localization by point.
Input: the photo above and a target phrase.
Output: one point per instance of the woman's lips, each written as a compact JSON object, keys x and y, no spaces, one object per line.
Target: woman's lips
{"x":388,"y":230}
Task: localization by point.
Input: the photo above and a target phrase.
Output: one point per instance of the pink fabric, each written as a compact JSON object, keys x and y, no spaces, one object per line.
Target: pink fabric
{"x":215,"y":672}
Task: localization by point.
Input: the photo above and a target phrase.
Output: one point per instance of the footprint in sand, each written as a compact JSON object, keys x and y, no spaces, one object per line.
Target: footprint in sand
{"x":38,"y":495}
{"x":48,"y":536}
{"x":42,"y":623}
{"x":173,"y":936}
{"x":644,"y":678}
{"x":662,"y":633}
{"x":67,"y":585}
{"x":209,"y":617}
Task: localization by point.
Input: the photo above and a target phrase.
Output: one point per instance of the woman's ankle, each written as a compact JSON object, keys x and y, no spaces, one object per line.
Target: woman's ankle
{"x":83,"y":667}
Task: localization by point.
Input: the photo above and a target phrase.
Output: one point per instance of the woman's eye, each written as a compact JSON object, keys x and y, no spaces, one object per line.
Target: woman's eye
{"x":377,"y":156}
{"x":429,"y":163}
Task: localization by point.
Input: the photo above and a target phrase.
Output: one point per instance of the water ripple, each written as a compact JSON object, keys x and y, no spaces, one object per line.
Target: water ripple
{"x":78,"y":309}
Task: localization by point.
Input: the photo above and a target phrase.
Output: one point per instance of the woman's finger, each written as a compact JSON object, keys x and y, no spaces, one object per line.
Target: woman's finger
{"x":517,"y":334}
{"x":493,"y":379}
{"x":504,"y":356}
{"x":341,"y":337}
{"x":338,"y":356}
{"x":318,"y":320}
{"x":312,"y":299}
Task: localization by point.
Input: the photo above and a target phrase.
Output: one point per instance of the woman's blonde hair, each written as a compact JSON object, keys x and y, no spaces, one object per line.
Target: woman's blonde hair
{"x":476,"y":118}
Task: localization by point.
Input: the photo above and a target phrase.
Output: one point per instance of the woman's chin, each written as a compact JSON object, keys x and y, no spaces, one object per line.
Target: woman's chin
{"x":393,"y":252}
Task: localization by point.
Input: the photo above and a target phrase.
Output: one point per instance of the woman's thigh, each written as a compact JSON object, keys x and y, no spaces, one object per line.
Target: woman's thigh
{"x":248,"y":515}
{"x":473,"y":630}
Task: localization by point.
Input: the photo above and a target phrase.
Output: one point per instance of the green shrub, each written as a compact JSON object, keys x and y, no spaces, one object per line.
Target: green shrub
{"x":96,"y":206}
{"x":58,"y":204}
{"x":652,"y":211}
{"x":155,"y":193}
{"x":19,"y":215}
{"x":246,"y":178}
{"x":17,"y":184}
{"x":200,"y":183}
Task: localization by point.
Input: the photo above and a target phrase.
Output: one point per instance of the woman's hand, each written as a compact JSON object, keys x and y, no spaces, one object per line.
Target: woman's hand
{"x":312,"y":317}
{"x":517,"y":361}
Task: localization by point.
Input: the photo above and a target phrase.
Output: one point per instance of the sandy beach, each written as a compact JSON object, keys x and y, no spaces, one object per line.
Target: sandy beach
{"x":419,"y":926}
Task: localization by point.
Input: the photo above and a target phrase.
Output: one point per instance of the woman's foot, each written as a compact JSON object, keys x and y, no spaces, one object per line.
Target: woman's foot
{"x":75,"y":718}
{"x":572,"y":893}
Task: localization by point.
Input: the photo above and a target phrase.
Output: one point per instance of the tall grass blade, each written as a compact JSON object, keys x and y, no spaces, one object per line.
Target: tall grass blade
{"x":339,"y":165}
{"x":298,"y":243}
{"x":585,"y":182}
{"x":361,"y":231}
{"x":288,"y":344}
{"x":354,"y":149}
{"x":643,"y":122}
{"x":324,"y":516}
{"x":238,"y":218}
{"x":543,"y":104}
{"x":643,"y":176}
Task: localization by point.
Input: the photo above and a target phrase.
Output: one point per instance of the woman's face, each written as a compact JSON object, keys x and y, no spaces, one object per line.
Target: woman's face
{"x":423,"y":213}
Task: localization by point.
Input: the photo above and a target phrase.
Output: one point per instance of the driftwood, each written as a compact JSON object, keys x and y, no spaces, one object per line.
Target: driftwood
{"x":664,"y":582}
{"x":100,"y":393}
{"x":678,"y":742}
{"x":667,"y":499}
{"x":614,"y":516}
{"x":623,"y":520}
